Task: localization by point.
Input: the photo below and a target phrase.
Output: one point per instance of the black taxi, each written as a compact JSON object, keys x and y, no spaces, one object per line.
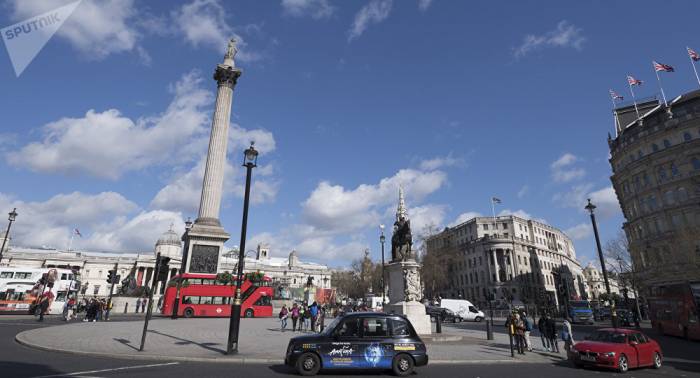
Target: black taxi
{"x":359,"y":340}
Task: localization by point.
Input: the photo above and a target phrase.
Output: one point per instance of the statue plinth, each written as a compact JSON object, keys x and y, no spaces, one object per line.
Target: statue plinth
{"x":204,"y":246}
{"x":405,"y":292}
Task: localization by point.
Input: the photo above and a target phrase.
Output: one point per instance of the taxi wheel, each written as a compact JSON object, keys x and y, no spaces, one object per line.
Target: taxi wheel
{"x":622,"y":364}
{"x":189,"y":312}
{"x":308,"y":364}
{"x":402,"y":365}
{"x":657,"y":360}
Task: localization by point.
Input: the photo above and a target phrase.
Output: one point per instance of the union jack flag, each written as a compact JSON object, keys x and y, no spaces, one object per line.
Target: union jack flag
{"x":693,"y":55}
{"x":662,"y":67}
{"x":615,"y":96}
{"x":632,"y":81}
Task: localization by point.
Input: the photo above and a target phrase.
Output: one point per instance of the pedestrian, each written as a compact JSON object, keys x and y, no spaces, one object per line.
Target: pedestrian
{"x":108,"y":308}
{"x":98,"y":310}
{"x":283,"y":317}
{"x":541,"y":326}
{"x":307,"y":320}
{"x":144,"y":301}
{"x":519,"y":333}
{"x":44,"y":304}
{"x":302,"y":318}
{"x":138,"y":305}
{"x":322,"y":316}
{"x":567,"y":336}
{"x":295,"y":317}
{"x":551,"y":327}
{"x":528,"y":329}
{"x":313,"y":315}
{"x":66,"y":310}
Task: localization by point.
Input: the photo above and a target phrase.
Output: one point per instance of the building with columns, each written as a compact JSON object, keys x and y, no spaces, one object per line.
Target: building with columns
{"x":514,"y":259}
{"x":93,"y":267}
{"x":286,"y":272}
{"x":596,"y":282}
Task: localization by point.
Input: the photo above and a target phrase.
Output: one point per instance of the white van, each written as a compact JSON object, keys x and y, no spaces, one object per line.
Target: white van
{"x":463,"y":308}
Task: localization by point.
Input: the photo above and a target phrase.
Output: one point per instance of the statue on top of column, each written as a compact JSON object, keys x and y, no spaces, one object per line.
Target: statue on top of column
{"x":401,"y":240}
{"x":231,"y":52}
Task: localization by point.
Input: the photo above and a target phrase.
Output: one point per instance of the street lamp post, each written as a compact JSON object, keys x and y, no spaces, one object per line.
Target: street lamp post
{"x":11,"y":218}
{"x":250,"y":159}
{"x":613,"y":315}
{"x":185,"y":253}
{"x":382,"y":239}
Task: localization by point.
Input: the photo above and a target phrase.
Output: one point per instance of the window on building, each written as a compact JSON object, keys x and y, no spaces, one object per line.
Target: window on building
{"x":486,"y":226}
{"x":667,"y":144}
{"x":669,"y":197}
{"x":662,"y":174}
{"x":674,"y":170}
{"x":640,"y":154}
{"x":654,"y":147}
{"x":687,"y":137}
{"x":696,"y":164}
{"x":505,"y":226}
{"x":682,"y":194}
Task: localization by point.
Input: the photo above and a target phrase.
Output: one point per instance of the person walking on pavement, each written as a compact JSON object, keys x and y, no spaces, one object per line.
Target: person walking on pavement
{"x":313,"y":312}
{"x":144,"y":301}
{"x":519,"y":333}
{"x":295,"y":317}
{"x":528,"y":329}
{"x":283,"y":317}
{"x":541,"y":326}
{"x":44,"y":304}
{"x":567,"y":336}
{"x":551,"y":327}
{"x":138,"y":305}
{"x":302,"y":318}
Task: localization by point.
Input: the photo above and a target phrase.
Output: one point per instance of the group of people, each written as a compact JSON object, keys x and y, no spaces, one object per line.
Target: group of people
{"x":519,"y":326}
{"x":95,"y":309}
{"x":310,"y":318}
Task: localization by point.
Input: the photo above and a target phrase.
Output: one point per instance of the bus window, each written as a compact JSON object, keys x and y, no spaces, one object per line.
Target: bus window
{"x":263,"y":301}
{"x":6,"y":274}
{"x":64,"y":276}
{"x":61,"y":296}
{"x":217,"y":300}
{"x":22,"y":275}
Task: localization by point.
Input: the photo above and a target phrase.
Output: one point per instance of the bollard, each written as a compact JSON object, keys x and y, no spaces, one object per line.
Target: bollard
{"x":126,"y":307}
{"x":489,"y":331}
{"x":438,"y":324}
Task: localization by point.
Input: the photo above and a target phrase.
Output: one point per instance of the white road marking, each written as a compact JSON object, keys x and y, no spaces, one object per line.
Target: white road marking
{"x":78,"y":373}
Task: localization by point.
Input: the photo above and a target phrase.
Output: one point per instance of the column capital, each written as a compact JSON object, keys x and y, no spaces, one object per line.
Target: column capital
{"x":225,"y":75}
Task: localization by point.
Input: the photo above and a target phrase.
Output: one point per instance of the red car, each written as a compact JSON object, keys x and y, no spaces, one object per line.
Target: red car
{"x":617,"y":348}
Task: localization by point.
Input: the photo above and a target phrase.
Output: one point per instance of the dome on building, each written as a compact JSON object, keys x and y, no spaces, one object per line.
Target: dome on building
{"x":170,"y":237}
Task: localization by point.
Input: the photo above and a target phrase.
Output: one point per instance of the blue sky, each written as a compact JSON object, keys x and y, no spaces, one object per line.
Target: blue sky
{"x":106,"y":129}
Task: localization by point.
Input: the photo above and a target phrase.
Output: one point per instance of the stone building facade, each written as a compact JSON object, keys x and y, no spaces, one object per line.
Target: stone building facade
{"x":656,"y":177}
{"x":517,"y":260}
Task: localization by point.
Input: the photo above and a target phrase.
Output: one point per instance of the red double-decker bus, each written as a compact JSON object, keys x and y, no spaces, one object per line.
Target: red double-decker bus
{"x":203,"y":295}
{"x":674,"y":309}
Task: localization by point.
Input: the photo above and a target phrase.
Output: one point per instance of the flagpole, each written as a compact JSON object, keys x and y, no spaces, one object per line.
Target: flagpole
{"x":660,"y":87}
{"x":634,"y":99}
{"x":692,"y":62}
{"x":493,"y":210}
{"x":618,"y":127}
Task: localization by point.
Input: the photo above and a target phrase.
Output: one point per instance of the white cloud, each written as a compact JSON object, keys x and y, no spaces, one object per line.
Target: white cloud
{"x":605,"y":199}
{"x":317,"y":9}
{"x":563,"y":169}
{"x":565,"y":35}
{"x":426,"y":217}
{"x":440,"y":162}
{"x":97,"y":28}
{"x":107,"y":144}
{"x":523,"y":191}
{"x":424,"y":4}
{"x":204,"y":23}
{"x":333,"y":207}
{"x":461,"y":218}
{"x":374,"y":12}
{"x":580,"y":231}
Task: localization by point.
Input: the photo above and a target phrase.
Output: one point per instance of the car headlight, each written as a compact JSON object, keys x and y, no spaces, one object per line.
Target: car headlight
{"x":609,"y":354}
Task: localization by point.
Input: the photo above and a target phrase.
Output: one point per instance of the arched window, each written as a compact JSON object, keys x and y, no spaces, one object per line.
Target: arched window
{"x":669,"y":197}
{"x":682,"y":194}
{"x":687,"y":137}
{"x":696,"y":164}
{"x":662,"y":174}
{"x":674,"y":170}
{"x":667,"y":144}
{"x":654,"y":147}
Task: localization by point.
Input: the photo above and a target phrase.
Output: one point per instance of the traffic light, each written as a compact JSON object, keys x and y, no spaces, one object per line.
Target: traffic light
{"x":163,"y":268}
{"x":111,"y":276}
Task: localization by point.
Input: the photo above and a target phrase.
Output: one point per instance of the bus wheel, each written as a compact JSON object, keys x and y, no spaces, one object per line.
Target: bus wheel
{"x":249,"y":313}
{"x":189,"y":312}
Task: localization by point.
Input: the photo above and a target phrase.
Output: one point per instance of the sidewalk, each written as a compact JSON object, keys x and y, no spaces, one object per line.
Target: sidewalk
{"x":261,"y":341}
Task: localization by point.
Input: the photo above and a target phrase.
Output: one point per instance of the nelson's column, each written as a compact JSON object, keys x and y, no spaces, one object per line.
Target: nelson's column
{"x":205,"y":241}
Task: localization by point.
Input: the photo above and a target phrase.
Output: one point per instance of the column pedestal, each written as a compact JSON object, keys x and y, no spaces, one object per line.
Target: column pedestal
{"x":404,"y":293}
{"x":205,"y":245}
